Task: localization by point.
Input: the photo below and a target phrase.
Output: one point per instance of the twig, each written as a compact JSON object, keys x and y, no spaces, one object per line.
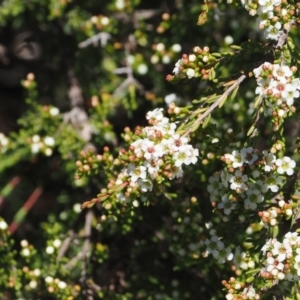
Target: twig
{"x":128,"y":71}
{"x":102,"y":36}
{"x":22,"y":212}
{"x":86,"y":244}
{"x":65,"y":245}
{"x":9,"y":188}
{"x":215,"y":104}
{"x":283,"y":37}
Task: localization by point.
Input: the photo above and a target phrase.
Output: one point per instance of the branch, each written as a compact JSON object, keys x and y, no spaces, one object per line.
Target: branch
{"x":102,"y":36}
{"x":215,"y":104}
{"x":86,"y":244}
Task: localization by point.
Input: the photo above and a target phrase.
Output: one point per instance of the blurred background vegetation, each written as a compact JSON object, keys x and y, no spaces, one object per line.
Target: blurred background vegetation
{"x":73,"y":75}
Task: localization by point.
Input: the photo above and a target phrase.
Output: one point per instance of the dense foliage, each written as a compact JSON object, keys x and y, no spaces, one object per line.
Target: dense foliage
{"x":148,"y":149}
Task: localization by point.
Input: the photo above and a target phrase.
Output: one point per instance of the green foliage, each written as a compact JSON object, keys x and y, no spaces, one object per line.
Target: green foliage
{"x":104,"y":66}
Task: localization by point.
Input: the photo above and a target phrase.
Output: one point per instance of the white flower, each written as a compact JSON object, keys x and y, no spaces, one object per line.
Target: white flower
{"x":281,"y":72}
{"x":156,"y":114}
{"x":142,"y":69}
{"x":214,"y":245}
{"x":236,"y":158}
{"x":285,"y":165}
{"x":36,"y":138}
{"x":62,"y":285}
{"x":3,"y":225}
{"x":48,"y":151}
{"x":49,"y":250}
{"x":49,"y":279}
{"x":248,"y":155}
{"x":273,"y":32}
{"x":192,"y":57}
{"x":281,"y":251}
{"x":238,"y":180}
{"x":33,"y":284}
{"x":136,"y":172}
{"x":104,"y":21}
{"x":269,"y":160}
{"x":291,"y":238}
{"x":176,"y":48}
{"x":3,"y":140}
{"x":225,"y":254}
{"x":171,"y":98}
{"x":24,"y":243}
{"x":54,"y":111}
{"x":160,"y":47}
{"x":190,"y":73}
{"x":25,"y":252}
{"x":227,"y":205}
{"x":56,"y":243}
{"x":185,"y":155}
{"x":272,"y":182}
{"x":49,"y":141}
{"x":145,"y":185}
{"x":177,"y":69}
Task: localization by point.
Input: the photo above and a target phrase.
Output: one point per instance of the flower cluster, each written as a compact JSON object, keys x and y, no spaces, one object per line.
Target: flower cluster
{"x":275,"y":16}
{"x":238,"y":290}
{"x":247,"y":179}
{"x":163,"y":54}
{"x":282,"y":259}
{"x":278,"y":87}
{"x":44,"y":145}
{"x":193,"y":65}
{"x":159,"y":153}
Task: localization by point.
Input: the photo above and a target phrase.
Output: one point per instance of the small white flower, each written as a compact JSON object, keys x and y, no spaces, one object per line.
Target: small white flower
{"x":236,"y":158}
{"x":36,"y":138}
{"x":24,"y":243}
{"x":272,"y":182}
{"x":25,"y":252}
{"x":145,"y":185}
{"x":190,"y":73}
{"x":48,"y":151}
{"x":49,"y":279}
{"x":166,"y":59}
{"x":160,"y":47}
{"x":49,"y":141}
{"x":77,"y":208}
{"x":238,"y":180}
{"x":177,"y":70}
{"x":62,"y":285}
{"x":227,"y":205}
{"x":176,"y":48}
{"x":56,"y":243}
{"x":285,"y":165}
{"x":142,"y":69}
{"x":104,"y":21}
{"x":3,"y":225}
{"x":248,"y":156}
{"x":192,"y":57}
{"x":37,"y":272}
{"x":33,"y":284}
{"x":50,"y":250}
{"x":136,"y":172}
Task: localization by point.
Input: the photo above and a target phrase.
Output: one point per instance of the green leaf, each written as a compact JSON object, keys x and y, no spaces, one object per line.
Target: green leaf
{"x":222,"y":102}
{"x":257,"y":101}
{"x":233,"y":94}
{"x":206,"y":121}
{"x":251,"y":129}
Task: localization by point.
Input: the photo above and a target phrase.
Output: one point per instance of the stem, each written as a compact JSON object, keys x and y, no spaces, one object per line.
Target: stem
{"x":215,"y":104}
